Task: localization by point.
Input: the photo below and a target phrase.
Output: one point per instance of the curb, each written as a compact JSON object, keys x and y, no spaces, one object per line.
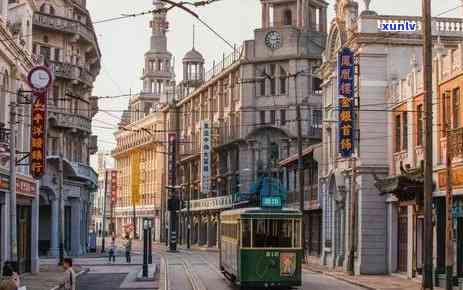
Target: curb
{"x":334,"y":276}
{"x":77,"y":276}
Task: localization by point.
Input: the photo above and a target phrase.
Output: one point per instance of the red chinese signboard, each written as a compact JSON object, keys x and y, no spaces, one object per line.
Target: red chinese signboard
{"x":23,"y":186}
{"x":38,"y":135}
{"x":113,"y":186}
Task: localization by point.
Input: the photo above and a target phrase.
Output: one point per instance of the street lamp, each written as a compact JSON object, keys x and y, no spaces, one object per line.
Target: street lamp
{"x":145,"y":248}
{"x":173,"y":204}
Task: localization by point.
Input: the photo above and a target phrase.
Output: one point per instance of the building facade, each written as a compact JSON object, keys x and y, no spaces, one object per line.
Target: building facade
{"x":246,"y":105}
{"x":141,"y":133}
{"x":15,"y":62}
{"x":64,"y":39}
{"x":404,"y":186}
{"x":380,"y":58}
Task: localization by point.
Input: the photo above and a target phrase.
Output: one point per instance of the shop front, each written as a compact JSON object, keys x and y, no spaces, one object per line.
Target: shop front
{"x":26,"y":196}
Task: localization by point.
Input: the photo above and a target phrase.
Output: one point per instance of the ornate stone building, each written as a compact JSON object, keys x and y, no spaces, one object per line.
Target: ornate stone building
{"x":383,"y":85}
{"x":15,"y":62}
{"x":64,"y":39}
{"x":141,"y":129}
{"x":248,"y":101}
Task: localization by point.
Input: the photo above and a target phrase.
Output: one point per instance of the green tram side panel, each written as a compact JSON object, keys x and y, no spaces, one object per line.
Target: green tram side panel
{"x":264,"y":266}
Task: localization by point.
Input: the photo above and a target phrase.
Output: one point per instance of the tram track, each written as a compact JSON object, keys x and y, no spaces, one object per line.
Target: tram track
{"x":173,"y":277}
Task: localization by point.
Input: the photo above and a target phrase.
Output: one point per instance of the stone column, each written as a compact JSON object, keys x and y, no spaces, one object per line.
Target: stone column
{"x":209,"y":232}
{"x":76,"y":220}
{"x":4,"y":234}
{"x":265,"y":13}
{"x":323,"y":20}
{"x":54,"y":231}
{"x":35,"y":265}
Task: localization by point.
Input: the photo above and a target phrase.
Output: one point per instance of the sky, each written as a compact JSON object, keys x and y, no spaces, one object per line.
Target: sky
{"x":123,"y":43}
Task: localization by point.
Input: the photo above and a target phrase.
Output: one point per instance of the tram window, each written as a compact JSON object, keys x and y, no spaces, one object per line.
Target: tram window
{"x":297,"y":233}
{"x":269,"y":233}
{"x":246,"y":233}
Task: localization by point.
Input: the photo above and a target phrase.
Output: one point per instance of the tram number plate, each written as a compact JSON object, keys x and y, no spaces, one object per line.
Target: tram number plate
{"x":272,"y":254}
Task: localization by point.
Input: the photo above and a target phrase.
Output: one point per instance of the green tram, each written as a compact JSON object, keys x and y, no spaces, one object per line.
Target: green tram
{"x":261,"y":247}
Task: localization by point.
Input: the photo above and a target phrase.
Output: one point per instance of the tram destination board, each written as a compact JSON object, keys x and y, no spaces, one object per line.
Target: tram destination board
{"x":271,"y":201}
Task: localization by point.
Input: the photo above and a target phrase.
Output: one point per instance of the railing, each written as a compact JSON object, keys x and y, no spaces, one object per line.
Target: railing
{"x":456,"y":142}
{"x":440,"y":26}
{"x":68,"y":120}
{"x":225,"y":63}
{"x":65,"y":25}
{"x":71,"y":71}
{"x":212,"y":203}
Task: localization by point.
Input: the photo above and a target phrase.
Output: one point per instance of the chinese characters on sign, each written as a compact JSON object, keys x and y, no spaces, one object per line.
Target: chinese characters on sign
{"x":113,"y":186}
{"x":206,"y":157}
{"x":346,"y":102}
{"x":172,"y":158}
{"x":38,"y":134}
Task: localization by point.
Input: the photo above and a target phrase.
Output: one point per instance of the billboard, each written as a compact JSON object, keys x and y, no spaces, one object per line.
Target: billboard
{"x":205,"y":156}
{"x":346,"y":102}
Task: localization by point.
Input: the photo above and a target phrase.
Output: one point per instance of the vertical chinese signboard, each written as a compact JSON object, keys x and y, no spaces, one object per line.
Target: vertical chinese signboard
{"x":172,"y":159}
{"x":39,"y":80}
{"x":113,"y":186}
{"x":205,"y":157}
{"x":135,"y":178}
{"x":346,"y":102}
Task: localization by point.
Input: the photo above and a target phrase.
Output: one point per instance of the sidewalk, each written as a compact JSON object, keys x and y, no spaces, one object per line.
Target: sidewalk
{"x":49,"y":277}
{"x":371,"y":282}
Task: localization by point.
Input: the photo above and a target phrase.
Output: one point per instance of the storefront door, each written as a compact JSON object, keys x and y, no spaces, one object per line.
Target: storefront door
{"x":402,"y":240}
{"x":24,"y":238}
{"x":460,"y":247}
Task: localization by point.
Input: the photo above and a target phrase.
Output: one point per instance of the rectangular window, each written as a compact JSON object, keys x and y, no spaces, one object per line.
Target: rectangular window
{"x":317,"y":86}
{"x":317,"y":119}
{"x":272,"y":117}
{"x":397,"y":133}
{"x":55,"y":95}
{"x":262,"y":117}
{"x":282,"y":117}
{"x":419,"y":127}
{"x":456,"y":108}
{"x":272,"y":80}
{"x":57,"y":54}
{"x":267,"y":233}
{"x":246,"y":233}
{"x":405,"y":131}
{"x":282,"y":81}
{"x":446,"y":110}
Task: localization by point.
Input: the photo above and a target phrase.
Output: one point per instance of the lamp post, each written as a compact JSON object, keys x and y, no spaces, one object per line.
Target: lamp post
{"x":145,"y":249}
{"x":173,"y":205}
{"x":150,"y":242}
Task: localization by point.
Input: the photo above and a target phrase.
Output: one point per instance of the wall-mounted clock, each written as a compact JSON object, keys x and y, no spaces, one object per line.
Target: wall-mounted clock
{"x":273,"y":39}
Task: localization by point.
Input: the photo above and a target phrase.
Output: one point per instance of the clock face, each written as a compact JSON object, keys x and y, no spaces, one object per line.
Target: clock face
{"x":273,"y":40}
{"x":40,"y":78}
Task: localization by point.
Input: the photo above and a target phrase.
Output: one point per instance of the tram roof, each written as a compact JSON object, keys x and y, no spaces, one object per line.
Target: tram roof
{"x":261,"y":211}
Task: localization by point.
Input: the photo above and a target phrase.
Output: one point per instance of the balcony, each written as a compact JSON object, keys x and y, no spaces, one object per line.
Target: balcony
{"x":86,"y":172}
{"x":71,"y":72}
{"x":62,"y":24}
{"x":70,"y":121}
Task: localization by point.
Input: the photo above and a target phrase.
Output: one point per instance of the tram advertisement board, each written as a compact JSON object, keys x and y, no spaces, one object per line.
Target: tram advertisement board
{"x":287,"y":264}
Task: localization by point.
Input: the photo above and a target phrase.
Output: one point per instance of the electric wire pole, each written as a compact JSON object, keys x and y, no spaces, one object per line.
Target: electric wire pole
{"x":427,"y":282}
{"x":449,"y":215}
{"x":103,"y":238}
{"x":61,"y":201}
{"x":13,"y":219}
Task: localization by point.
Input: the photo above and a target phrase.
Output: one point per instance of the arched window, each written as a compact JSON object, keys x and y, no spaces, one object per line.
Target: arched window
{"x":42,"y":8}
{"x":288,"y":17}
{"x":52,"y":10}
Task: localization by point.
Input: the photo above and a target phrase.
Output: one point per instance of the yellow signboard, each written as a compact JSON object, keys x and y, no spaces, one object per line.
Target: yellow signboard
{"x":135,"y":177}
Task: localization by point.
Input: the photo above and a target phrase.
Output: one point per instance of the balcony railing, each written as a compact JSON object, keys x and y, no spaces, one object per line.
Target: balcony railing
{"x":72,"y":72}
{"x":72,"y":121}
{"x":64,"y":25}
{"x":86,"y":172}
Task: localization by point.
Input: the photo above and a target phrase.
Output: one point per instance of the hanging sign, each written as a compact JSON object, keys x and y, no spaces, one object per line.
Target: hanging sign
{"x":205,"y":157}
{"x":346,"y":102}
{"x":113,"y":186}
{"x":39,"y":80}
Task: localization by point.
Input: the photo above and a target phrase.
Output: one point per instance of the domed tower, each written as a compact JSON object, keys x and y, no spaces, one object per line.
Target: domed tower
{"x":193,"y":71}
{"x":158,"y":72}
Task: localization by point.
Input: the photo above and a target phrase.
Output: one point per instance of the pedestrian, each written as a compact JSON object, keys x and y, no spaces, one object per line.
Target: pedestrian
{"x":69,"y":281}
{"x":128,"y":248}
{"x":10,"y":275}
{"x":7,"y":283}
{"x":112,"y":250}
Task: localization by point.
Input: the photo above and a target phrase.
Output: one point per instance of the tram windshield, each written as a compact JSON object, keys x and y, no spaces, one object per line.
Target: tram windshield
{"x":271,"y":233}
